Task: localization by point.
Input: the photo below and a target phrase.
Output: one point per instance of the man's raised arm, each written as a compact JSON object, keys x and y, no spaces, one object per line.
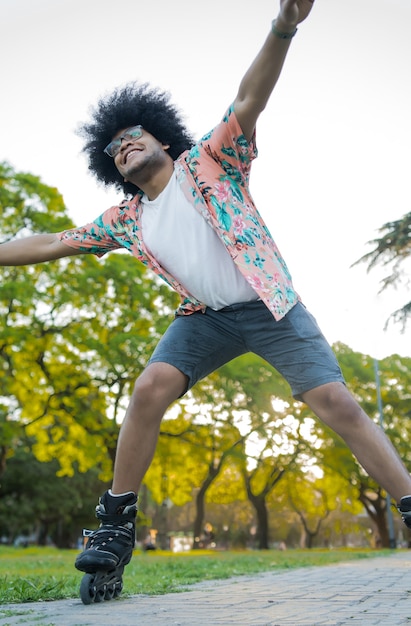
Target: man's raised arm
{"x":261,"y":78}
{"x":34,"y":249}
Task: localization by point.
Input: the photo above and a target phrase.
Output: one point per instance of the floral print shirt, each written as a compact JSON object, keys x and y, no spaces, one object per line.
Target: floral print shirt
{"x":214,"y":175}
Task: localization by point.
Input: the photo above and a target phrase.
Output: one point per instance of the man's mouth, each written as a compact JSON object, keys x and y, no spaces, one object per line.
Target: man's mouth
{"x":131,"y":153}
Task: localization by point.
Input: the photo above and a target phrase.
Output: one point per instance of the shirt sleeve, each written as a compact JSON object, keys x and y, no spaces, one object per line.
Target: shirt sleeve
{"x":97,"y":237}
{"x":227,"y":145}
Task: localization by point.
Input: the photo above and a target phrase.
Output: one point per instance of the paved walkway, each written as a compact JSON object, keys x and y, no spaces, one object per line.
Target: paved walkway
{"x":368,"y":592}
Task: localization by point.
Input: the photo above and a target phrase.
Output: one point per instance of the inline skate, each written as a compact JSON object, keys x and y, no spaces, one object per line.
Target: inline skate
{"x":108,"y":549}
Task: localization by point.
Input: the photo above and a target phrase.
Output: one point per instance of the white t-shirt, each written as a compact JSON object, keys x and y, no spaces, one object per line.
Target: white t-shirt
{"x":184,"y":244}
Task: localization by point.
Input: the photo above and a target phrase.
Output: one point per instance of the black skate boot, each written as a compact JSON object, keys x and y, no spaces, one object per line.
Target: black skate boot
{"x":108,"y":549}
{"x":405,"y":510}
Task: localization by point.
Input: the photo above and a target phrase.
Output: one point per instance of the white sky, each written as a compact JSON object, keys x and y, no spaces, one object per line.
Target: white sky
{"x":334,"y":142}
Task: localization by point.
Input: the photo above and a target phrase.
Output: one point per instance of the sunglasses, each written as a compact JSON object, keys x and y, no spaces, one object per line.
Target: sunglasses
{"x":113,"y":148}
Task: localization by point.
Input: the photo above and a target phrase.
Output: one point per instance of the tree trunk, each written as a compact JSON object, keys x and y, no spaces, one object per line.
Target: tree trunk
{"x":382,"y":529}
{"x":260,"y":506}
{"x":199,"y":518}
{"x":262,"y":525}
{"x":200,"y":507}
{"x":376,"y":508}
{"x":3,"y":456}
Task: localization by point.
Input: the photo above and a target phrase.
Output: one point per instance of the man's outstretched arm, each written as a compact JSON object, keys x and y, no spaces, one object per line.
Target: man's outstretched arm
{"x":261,"y":77}
{"x":34,"y":249}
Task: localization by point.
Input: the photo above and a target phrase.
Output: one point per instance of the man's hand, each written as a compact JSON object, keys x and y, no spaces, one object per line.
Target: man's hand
{"x":293,"y":12}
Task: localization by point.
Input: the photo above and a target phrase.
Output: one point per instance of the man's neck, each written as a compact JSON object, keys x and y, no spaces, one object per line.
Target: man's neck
{"x":156,"y":184}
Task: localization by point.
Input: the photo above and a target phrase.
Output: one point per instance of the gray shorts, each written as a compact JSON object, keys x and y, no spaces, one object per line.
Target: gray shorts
{"x":199,"y":343}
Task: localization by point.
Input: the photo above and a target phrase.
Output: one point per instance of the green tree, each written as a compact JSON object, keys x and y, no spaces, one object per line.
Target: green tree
{"x":37,"y":504}
{"x":279,"y":451}
{"x":393,"y":250}
{"x":315,"y":498}
{"x":74,"y":334}
{"x":241,"y":395}
{"x":220,"y":443}
{"x":26,"y":204}
{"x":332,"y":453}
{"x":193,"y":449}
{"x":272,"y":442}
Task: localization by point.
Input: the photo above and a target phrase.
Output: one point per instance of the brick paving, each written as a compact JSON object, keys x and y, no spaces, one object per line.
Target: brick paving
{"x":370,"y":592}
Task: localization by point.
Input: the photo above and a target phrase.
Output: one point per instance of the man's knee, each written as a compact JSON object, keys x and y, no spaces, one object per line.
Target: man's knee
{"x":159,"y":382}
{"x":333,"y":402}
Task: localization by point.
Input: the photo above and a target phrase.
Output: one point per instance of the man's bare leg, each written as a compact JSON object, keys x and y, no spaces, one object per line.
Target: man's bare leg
{"x":157,"y":387}
{"x":337,"y":408}
{"x":110,"y":547}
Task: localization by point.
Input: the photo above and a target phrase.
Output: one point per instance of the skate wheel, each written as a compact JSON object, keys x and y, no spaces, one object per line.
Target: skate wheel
{"x":118,"y":589}
{"x":110,"y":591}
{"x":88,"y":590}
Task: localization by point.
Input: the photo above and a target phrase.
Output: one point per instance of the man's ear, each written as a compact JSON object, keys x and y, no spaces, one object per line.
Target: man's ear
{"x":166,"y":146}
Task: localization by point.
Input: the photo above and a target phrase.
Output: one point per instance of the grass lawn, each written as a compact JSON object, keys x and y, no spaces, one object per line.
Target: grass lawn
{"x":31,"y":574}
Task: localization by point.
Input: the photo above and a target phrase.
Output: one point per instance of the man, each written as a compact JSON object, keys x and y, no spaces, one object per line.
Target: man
{"x":189,"y":217}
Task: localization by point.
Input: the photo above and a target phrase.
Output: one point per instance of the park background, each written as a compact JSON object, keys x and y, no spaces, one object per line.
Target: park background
{"x":333,"y":168}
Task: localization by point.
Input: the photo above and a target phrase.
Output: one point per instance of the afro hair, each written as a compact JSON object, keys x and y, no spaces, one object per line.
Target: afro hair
{"x":128,"y":106}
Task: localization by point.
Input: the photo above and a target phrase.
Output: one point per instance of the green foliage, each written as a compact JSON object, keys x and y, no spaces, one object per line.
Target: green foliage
{"x":74,"y":334}
{"x":178,"y":465}
{"x":37,"y":505}
{"x":29,"y":206}
{"x":393,"y":249}
{"x":315,"y":499}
